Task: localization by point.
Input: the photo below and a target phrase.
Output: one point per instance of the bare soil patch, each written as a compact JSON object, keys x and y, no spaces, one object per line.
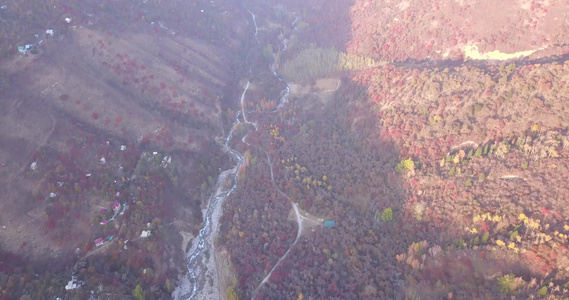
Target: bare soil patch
{"x":323,"y":89}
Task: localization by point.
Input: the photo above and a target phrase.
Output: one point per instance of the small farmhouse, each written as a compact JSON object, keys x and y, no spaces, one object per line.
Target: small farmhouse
{"x":329,"y":223}
{"x":116,"y":205}
{"x":99,"y":242}
{"x":73,"y":283}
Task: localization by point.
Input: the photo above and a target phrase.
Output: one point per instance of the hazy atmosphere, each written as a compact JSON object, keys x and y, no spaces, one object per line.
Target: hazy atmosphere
{"x":300,"y":149}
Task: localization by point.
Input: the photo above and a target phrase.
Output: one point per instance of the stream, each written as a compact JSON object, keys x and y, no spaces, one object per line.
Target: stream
{"x":198,"y":258}
{"x":203,"y":244}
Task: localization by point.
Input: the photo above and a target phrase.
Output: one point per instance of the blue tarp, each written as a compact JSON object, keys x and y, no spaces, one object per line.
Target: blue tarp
{"x":329,"y":224}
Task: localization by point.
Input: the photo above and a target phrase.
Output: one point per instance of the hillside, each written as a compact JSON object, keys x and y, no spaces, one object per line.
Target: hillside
{"x":443,"y":171}
{"x":116,"y":105}
{"x":323,"y":149}
{"x":400,"y":30}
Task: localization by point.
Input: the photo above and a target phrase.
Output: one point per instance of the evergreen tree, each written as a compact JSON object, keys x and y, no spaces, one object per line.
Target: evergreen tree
{"x":138,"y":293}
{"x":478,"y":152}
{"x":387,"y":215}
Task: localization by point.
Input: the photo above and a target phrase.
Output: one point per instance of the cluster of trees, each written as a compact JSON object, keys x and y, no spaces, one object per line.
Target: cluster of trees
{"x":331,"y":263}
{"x":432,"y":112}
{"x":255,"y":227}
{"x":327,"y":24}
{"x":486,"y":140}
{"x":312,"y":62}
{"x":362,"y":161}
{"x":17,"y":276}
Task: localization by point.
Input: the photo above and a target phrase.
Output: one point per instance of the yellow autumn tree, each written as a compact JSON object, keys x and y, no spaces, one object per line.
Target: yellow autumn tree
{"x":231,"y":295}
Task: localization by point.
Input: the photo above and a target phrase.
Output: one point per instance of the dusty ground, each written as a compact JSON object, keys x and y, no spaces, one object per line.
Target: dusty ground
{"x":322,"y":88}
{"x":308,"y":221}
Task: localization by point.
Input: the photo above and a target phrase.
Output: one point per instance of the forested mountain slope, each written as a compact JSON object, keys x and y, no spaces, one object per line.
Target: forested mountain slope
{"x":444,"y":174}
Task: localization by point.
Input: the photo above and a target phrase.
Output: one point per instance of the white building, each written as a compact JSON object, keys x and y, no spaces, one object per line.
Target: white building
{"x":73,"y":283}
